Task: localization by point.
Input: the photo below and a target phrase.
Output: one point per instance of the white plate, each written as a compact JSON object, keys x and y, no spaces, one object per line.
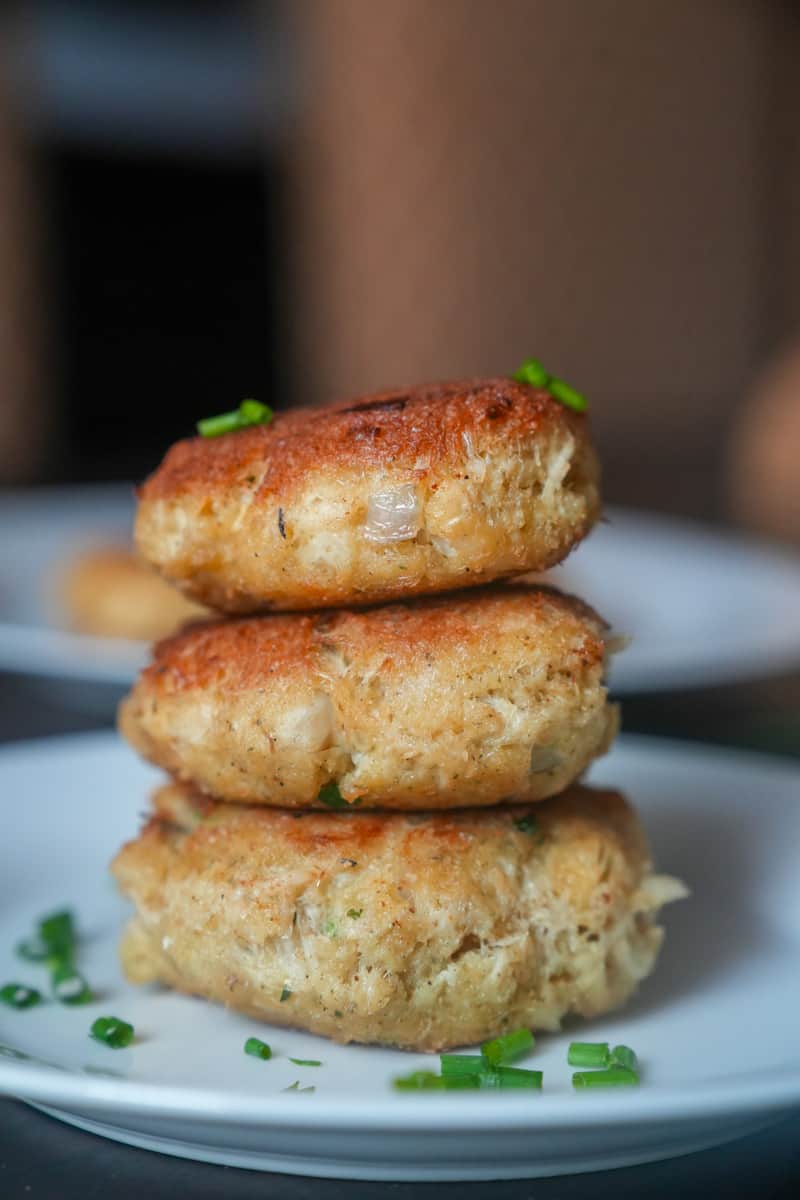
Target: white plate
{"x":700,"y":606}
{"x":715,"y":1027}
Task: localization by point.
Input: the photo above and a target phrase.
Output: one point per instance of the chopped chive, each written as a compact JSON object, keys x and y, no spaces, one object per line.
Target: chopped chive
{"x":223,"y":423}
{"x":588,"y":1054}
{"x":503,"y":1050}
{"x":295,"y":1087}
{"x":68,"y":986}
{"x":57,"y":931}
{"x":112,"y":1032}
{"x":329,"y":928}
{"x":355,"y":913}
{"x":510,"y":1077}
{"x":531,"y":372}
{"x":623,"y":1056}
{"x":249,"y":412}
{"x":285,"y":994}
{"x":461,"y":1064}
{"x":611,"y":1077}
{"x":337,"y":1012}
{"x":528,"y":824}
{"x":18,"y":995}
{"x":518,"y":1077}
{"x":257,"y":1049}
{"x":331,"y":797}
{"x":567,"y":395}
{"x":306,"y":1062}
{"x":429,"y":1081}
{"x":252,"y":412}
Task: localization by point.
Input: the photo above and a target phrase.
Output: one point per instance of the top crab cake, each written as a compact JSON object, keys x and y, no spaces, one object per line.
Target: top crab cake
{"x":403,"y":493}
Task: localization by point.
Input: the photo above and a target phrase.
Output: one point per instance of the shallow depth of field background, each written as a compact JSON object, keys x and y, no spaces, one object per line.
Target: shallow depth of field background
{"x":201,"y":201}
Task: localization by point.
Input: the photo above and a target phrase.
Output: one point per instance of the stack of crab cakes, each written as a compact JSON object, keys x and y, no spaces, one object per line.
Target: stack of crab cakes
{"x":372,"y":827}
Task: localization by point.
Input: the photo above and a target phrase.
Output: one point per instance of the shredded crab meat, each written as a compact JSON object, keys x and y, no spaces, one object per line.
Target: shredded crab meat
{"x":393,"y":515}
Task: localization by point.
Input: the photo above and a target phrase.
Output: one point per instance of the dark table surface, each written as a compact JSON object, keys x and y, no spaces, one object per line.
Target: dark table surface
{"x":43,"y":1159}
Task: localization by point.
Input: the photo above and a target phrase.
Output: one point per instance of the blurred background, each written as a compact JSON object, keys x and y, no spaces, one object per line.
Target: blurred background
{"x":202,"y":200}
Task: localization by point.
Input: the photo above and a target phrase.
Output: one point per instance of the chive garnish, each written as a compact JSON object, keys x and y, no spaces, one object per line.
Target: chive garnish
{"x":295,"y":1087}
{"x":511,"y":1077}
{"x":623,"y":1056}
{"x":112,"y":1032}
{"x":257,"y":1049}
{"x":19,"y":995}
{"x":567,"y":395}
{"x":610,"y":1077}
{"x":329,"y":928}
{"x":533,"y":373}
{"x":285,"y":994}
{"x":249,"y":412}
{"x":589,"y":1054}
{"x":306,"y":1062}
{"x":68,"y":986}
{"x":503,"y":1050}
{"x":33,"y":949}
{"x":355,"y":913}
{"x":461,"y":1064}
{"x":430,"y":1081}
{"x":331,"y":797}
{"x":528,"y":824}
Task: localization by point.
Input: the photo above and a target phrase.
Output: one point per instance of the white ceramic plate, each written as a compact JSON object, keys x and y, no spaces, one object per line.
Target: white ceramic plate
{"x":715,"y":1027}
{"x":700,"y":606}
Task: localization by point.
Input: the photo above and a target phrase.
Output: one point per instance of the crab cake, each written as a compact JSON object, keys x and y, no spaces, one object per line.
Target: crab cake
{"x":460,"y":700}
{"x":109,"y":592}
{"x":398,"y":494}
{"x":417,"y":930}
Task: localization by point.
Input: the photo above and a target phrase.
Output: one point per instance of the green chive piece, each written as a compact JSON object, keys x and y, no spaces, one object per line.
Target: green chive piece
{"x":589,"y":1054}
{"x":331,"y":797}
{"x":528,"y":824}
{"x":623,"y":1056}
{"x":337,"y":1012}
{"x":429,"y":1081}
{"x":514,"y":1077}
{"x":503,"y":1050}
{"x":251,"y":412}
{"x":306,"y":1062}
{"x":227,"y":422}
{"x":285,"y":994}
{"x":112,"y":1032}
{"x":68,"y":986}
{"x":18,"y":995}
{"x":295,"y":1087}
{"x":57,"y":931}
{"x":532,"y":372}
{"x":329,"y":928}
{"x":611,"y":1077}
{"x":461,"y":1064}
{"x":258,"y":1049}
{"x":33,"y":949}
{"x":567,"y":395}
{"x":355,"y":913}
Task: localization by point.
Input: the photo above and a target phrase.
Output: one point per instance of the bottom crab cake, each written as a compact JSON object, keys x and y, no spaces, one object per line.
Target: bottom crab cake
{"x":416,"y":930}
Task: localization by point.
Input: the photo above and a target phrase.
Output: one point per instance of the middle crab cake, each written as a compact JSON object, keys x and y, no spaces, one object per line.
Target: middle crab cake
{"x":467,"y":700}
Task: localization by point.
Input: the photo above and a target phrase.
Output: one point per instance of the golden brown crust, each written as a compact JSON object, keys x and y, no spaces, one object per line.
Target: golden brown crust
{"x":501,"y":479}
{"x":466,"y":699}
{"x":421,"y":930}
{"x":405,"y":427}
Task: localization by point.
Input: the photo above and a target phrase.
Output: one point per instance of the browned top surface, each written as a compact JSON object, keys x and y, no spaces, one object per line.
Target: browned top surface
{"x":401,"y":427}
{"x":246,"y":652}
